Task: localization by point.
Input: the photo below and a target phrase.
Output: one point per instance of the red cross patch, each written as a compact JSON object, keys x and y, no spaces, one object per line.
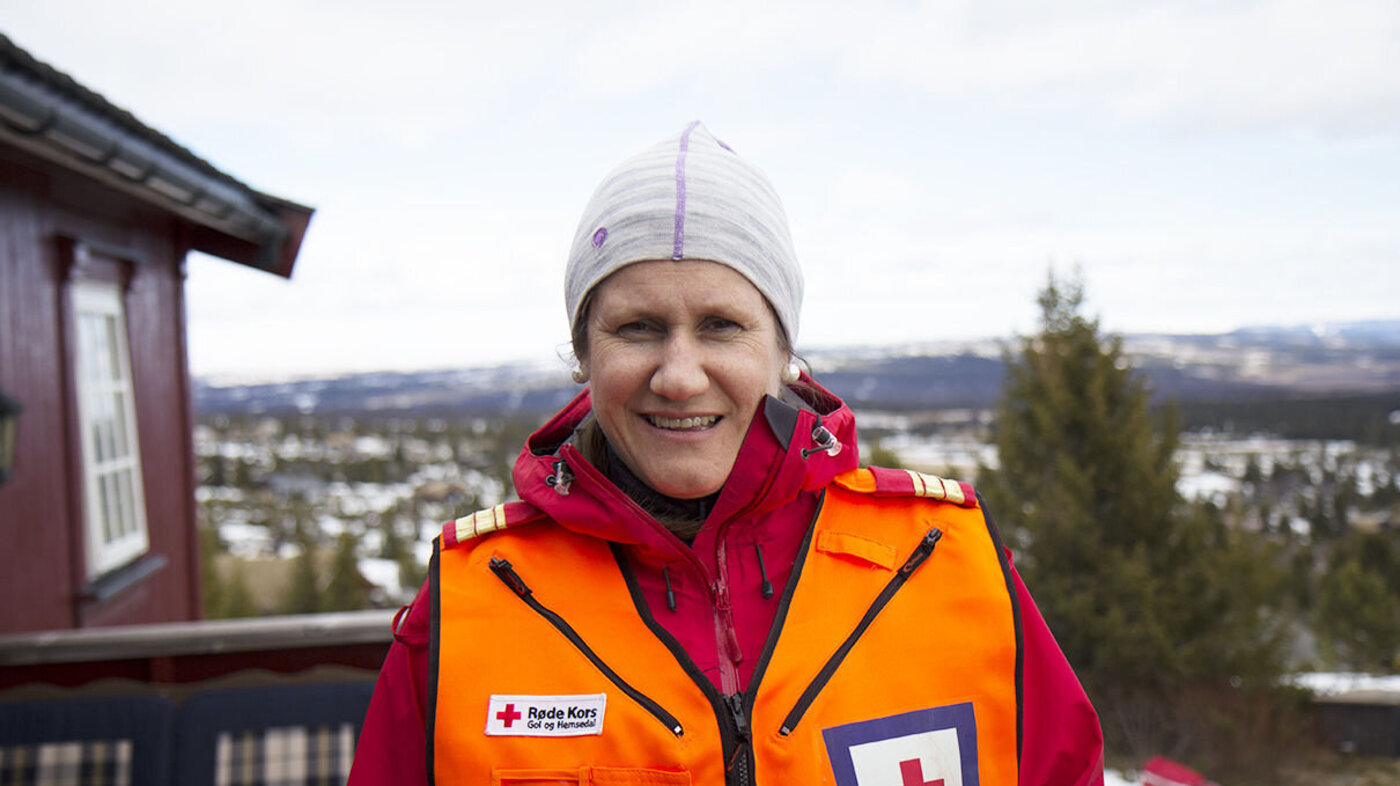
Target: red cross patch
{"x":933,"y":747}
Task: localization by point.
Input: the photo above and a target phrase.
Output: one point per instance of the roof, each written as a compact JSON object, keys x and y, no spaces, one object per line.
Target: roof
{"x":1369,"y":698}
{"x":48,"y":114}
{"x":1349,"y":688}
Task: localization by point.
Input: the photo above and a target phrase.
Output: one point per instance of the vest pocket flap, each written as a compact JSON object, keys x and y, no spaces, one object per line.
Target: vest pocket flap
{"x":634,"y":776}
{"x":537,"y":777}
{"x":864,"y":549}
{"x":589,"y":776}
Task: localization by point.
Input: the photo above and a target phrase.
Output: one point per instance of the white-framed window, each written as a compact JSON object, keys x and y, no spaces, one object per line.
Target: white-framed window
{"x":114,"y":505}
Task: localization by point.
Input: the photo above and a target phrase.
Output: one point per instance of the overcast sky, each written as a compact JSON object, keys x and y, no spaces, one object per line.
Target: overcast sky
{"x":1207,"y":164}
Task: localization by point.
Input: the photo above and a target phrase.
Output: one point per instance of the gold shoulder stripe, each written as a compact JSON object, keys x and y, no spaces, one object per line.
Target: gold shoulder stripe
{"x":934,"y":487}
{"x":503,"y":516}
{"x":481,"y":522}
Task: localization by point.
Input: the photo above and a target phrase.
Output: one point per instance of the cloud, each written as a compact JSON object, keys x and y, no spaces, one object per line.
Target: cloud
{"x":1313,"y":65}
{"x":1202,"y":160}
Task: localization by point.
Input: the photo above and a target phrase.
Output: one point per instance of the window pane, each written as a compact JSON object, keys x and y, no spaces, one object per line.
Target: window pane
{"x":124,"y":523}
{"x":95,"y":439}
{"x":118,"y":506}
{"x":104,"y":511}
{"x":104,"y":439}
{"x":111,"y":361}
{"x":84,"y":335}
{"x":95,"y":348}
{"x":119,"y":443}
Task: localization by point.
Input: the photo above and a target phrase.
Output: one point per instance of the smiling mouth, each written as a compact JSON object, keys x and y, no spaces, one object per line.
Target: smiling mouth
{"x":683,"y":424}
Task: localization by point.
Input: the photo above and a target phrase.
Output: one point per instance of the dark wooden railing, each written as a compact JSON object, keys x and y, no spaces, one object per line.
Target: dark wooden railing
{"x":180,"y":652}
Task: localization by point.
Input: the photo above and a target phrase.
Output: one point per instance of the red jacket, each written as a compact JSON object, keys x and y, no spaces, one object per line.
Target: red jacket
{"x":718,"y":596}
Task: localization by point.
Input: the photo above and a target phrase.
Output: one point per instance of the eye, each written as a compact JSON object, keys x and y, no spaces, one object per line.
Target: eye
{"x":720,"y":326}
{"x":636,"y":329}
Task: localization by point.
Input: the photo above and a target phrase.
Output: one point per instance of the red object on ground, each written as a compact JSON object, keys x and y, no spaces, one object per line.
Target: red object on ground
{"x":1161,"y":771}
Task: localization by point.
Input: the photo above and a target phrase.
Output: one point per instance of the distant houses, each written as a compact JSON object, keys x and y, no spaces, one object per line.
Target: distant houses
{"x":97,"y":214}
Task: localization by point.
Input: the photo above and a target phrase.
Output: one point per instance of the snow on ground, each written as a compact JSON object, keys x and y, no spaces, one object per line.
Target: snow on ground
{"x":1116,"y":778}
{"x":1216,"y":487}
{"x":384,"y":574}
{"x":249,"y":541}
{"x":423,"y":551}
{"x":1334,"y":683}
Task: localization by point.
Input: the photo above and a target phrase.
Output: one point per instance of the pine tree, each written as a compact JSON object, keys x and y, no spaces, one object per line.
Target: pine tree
{"x":881,"y":456}
{"x":238,"y":599}
{"x":1144,"y":593}
{"x":213,"y":589}
{"x":1086,"y":484}
{"x":1358,"y":604}
{"x":1358,"y":622}
{"x":345,"y":590}
{"x":304,"y":594}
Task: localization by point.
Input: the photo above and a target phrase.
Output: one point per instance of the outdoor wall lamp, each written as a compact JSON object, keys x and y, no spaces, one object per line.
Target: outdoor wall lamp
{"x":9,"y":416}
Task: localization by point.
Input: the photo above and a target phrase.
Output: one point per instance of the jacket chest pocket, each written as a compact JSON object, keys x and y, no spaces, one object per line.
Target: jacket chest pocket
{"x":590,"y":776}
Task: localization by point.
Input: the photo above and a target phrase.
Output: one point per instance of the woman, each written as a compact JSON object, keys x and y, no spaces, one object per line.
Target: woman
{"x":699,"y":585}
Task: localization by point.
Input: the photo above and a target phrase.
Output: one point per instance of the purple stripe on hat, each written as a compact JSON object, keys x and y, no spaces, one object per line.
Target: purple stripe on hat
{"x":678,"y":248}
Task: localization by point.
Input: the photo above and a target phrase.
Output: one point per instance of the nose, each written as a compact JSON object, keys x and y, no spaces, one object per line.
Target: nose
{"x":680,"y":372}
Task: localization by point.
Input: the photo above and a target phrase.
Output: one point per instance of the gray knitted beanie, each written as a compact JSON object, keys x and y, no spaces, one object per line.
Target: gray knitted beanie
{"x":690,"y":197}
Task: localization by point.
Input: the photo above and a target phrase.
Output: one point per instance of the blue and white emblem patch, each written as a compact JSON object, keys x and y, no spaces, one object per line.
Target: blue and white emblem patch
{"x":933,"y":747}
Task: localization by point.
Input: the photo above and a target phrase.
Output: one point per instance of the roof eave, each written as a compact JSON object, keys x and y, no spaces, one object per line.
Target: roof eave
{"x":49,"y":115}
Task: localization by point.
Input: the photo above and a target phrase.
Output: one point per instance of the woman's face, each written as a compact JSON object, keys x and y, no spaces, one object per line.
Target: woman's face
{"x":679,"y":355}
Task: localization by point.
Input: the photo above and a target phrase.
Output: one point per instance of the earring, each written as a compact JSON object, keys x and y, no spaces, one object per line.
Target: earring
{"x":790,"y":373}
{"x":578,"y":375}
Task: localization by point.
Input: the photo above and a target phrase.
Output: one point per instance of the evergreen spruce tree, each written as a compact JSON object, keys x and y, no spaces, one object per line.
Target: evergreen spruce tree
{"x":393,"y":547}
{"x":238,"y":599}
{"x":1358,"y":621}
{"x":213,"y":590}
{"x":1086,"y":485}
{"x":1144,"y":593}
{"x":304,"y":594}
{"x":881,"y":456}
{"x":344,"y":590}
{"x":1358,"y":604}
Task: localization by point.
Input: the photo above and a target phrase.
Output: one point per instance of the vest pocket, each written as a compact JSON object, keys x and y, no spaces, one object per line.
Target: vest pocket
{"x":590,"y":776}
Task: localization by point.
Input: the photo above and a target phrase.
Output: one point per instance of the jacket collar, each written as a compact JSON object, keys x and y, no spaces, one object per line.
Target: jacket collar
{"x":787,"y":450}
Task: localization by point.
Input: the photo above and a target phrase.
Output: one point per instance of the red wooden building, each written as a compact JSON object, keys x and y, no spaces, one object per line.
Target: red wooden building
{"x":97,"y":214}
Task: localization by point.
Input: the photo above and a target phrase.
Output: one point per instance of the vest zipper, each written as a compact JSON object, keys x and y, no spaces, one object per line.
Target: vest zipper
{"x":506,"y":573}
{"x":738,"y":770}
{"x":920,"y":555}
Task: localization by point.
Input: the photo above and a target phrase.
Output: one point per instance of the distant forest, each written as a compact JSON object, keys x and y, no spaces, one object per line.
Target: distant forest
{"x":1368,"y":419}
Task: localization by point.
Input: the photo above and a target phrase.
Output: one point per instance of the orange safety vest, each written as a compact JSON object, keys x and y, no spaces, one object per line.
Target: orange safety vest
{"x":897,"y":660}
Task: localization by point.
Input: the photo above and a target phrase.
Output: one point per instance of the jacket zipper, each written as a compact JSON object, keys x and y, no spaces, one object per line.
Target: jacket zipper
{"x":920,"y":555}
{"x":727,"y":636}
{"x":506,"y":573}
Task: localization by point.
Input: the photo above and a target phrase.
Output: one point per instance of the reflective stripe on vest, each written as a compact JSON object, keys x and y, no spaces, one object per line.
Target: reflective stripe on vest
{"x":536,"y":623}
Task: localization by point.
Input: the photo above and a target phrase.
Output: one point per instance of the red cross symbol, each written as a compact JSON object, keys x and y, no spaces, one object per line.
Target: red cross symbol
{"x":508,"y":716}
{"x":912,"y":774}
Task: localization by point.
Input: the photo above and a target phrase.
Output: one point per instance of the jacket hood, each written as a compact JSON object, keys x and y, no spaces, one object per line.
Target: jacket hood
{"x":787,"y":450}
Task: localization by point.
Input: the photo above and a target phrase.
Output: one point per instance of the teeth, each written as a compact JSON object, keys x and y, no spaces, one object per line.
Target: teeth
{"x":682,"y":424}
